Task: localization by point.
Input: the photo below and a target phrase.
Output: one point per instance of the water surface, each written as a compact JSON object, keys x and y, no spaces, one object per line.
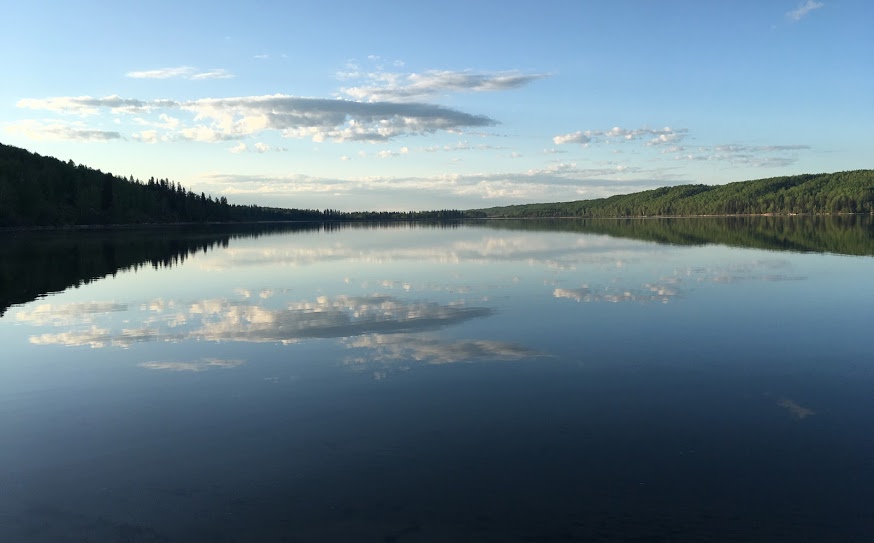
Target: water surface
{"x":501,"y":381}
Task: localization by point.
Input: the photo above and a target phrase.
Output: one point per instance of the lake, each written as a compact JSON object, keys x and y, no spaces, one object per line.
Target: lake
{"x":662,"y":380}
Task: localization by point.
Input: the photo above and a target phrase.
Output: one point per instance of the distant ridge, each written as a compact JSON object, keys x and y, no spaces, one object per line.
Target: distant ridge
{"x":823,"y":193}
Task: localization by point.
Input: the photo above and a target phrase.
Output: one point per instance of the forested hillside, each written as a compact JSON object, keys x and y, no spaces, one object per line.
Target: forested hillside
{"x":842,"y":192}
{"x":44,"y":191}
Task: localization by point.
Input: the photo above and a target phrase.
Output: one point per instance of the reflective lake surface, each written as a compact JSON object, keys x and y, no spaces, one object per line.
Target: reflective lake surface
{"x":503,"y":381}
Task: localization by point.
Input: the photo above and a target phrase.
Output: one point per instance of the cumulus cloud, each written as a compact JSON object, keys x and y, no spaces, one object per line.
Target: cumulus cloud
{"x":393,"y":87}
{"x":39,"y":131}
{"x":338,"y":120}
{"x":802,"y":10}
{"x":222,"y":119}
{"x":186,"y":72}
{"x":573,"y":137}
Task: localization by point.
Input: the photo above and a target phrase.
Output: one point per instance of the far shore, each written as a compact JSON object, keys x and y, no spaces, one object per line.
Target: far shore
{"x":137,"y":226}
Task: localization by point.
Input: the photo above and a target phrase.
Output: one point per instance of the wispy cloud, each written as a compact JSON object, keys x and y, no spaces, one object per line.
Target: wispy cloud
{"x":389,"y":153}
{"x":762,"y":156}
{"x":652,"y":136}
{"x":562,"y":181}
{"x":393,"y":87}
{"x":212,"y":74}
{"x":39,"y":131}
{"x":162,"y":73}
{"x":87,"y":105}
{"x":184,"y":72}
{"x":801,"y":11}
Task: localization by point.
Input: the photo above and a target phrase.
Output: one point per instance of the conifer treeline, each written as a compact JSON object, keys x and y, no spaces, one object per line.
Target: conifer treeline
{"x":44,"y":191}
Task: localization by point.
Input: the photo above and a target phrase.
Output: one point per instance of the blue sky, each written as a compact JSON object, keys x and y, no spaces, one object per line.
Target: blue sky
{"x":405,"y":105}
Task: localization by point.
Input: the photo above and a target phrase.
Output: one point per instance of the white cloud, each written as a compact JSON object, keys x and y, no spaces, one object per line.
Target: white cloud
{"x":387,"y":86}
{"x":801,"y":11}
{"x":573,"y":137}
{"x":388,"y":153}
{"x":162,"y":73}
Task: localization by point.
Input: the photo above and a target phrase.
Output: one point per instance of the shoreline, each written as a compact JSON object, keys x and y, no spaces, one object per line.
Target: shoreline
{"x":156,"y":226}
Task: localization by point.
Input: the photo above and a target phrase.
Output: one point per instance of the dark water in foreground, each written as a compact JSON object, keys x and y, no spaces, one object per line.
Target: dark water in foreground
{"x":414,"y":384}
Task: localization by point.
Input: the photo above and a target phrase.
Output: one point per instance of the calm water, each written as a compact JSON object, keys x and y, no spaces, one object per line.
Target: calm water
{"x":500,"y":382}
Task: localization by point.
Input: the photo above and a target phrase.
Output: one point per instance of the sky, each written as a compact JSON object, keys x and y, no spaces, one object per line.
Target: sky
{"x":451,"y":105}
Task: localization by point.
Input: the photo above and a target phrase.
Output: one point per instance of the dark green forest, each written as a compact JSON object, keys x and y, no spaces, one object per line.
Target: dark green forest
{"x":39,"y":191}
{"x":809,"y":194}
{"x":44,"y":191}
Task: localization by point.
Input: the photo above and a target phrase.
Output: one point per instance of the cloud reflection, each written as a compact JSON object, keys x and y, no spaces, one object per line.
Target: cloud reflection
{"x":231,"y":320}
{"x":382,"y":354}
{"x":798,"y":411}
{"x":555,"y":252}
{"x":406,"y":347}
{"x":56,"y":315}
{"x":199,"y":365}
{"x":680,"y":283}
